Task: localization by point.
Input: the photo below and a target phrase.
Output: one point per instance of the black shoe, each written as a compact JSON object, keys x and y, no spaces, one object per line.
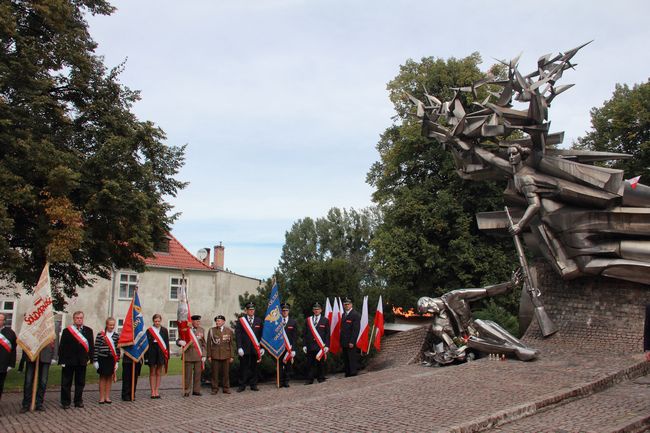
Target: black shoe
{"x":40,"y":409}
{"x":309,"y":382}
{"x":79,"y":405}
{"x":196,"y":393}
{"x":24,"y":409}
{"x":65,"y":406}
{"x":285,"y":385}
{"x":254,"y":388}
{"x":241,"y":389}
{"x":321,"y":380}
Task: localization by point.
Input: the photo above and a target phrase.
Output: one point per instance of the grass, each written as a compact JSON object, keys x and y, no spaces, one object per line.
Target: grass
{"x":15,"y":379}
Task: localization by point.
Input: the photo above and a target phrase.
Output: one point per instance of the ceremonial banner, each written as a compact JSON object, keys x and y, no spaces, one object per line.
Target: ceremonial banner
{"x":183,"y":318}
{"x":133,"y":339}
{"x":37,"y":330}
{"x":363,"y":341}
{"x":378,"y":325}
{"x":273,"y":332}
{"x":328,"y":309}
{"x":335,"y":329}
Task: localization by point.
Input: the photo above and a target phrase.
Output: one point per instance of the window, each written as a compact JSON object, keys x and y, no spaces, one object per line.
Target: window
{"x":173,"y":330}
{"x":120,"y":325}
{"x":128,"y":283}
{"x":7,"y":308}
{"x":175,"y":287}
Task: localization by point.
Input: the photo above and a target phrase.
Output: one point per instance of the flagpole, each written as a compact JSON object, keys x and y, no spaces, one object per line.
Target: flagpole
{"x":277,"y":371}
{"x":372,"y":330}
{"x":183,"y":370}
{"x":33,"y":405}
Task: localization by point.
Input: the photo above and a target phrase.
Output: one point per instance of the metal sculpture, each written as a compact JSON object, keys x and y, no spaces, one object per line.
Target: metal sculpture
{"x":584,"y":219}
{"x":457,"y":334}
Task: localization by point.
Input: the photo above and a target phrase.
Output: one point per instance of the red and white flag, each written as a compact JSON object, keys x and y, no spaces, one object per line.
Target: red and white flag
{"x":379,"y":325}
{"x":634,"y":181}
{"x":328,"y":309}
{"x":335,"y":329}
{"x":37,"y":330}
{"x":363,"y":341}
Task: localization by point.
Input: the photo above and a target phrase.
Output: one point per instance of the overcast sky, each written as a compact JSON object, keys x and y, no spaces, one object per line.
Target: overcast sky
{"x":281,"y":102}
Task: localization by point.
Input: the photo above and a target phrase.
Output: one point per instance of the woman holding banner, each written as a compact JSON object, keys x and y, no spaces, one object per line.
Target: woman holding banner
{"x":106,"y":359}
{"x":157,"y":356}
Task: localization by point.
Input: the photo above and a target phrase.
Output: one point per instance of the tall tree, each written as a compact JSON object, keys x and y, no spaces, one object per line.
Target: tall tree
{"x":83,"y":180}
{"x":622,"y":124}
{"x":428,"y":241}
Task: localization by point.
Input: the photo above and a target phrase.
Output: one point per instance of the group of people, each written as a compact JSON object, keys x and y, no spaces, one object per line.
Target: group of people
{"x":219,"y":346}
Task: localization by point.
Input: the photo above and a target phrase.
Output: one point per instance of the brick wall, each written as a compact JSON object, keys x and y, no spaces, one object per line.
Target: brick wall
{"x":591,"y":313}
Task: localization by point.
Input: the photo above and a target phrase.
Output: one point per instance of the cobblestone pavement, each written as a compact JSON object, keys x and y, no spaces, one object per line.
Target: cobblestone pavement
{"x":459,"y":398}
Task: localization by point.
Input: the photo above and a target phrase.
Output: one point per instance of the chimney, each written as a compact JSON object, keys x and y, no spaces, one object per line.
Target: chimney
{"x":206,"y":260}
{"x":219,"y":257}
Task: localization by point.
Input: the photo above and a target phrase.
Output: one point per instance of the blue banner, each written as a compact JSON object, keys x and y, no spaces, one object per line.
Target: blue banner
{"x":272,"y":335}
{"x":138,"y":333}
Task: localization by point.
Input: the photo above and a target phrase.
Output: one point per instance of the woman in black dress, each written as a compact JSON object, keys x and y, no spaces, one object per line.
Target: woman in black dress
{"x":158,"y":354}
{"x":105,"y":359}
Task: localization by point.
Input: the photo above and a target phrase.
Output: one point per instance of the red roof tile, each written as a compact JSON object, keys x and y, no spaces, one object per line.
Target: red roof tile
{"x":178,"y":257}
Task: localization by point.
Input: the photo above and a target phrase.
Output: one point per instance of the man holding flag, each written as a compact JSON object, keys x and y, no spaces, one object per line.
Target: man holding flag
{"x":75,"y":350}
{"x":317,"y":340}
{"x":273,"y":332}
{"x":248,"y":333}
{"x":290,"y":329}
{"x":194,"y":355}
{"x":134,"y":343}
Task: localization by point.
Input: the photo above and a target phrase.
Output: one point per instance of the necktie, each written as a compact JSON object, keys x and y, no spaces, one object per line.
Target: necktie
{"x":315,"y":320}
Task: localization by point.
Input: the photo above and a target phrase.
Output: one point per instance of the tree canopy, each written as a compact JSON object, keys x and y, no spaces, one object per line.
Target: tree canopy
{"x":428,"y":241}
{"x":622,"y":124}
{"x":83,"y":180}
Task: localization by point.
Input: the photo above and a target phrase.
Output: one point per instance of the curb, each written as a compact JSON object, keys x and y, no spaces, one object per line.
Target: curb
{"x":514,"y":413}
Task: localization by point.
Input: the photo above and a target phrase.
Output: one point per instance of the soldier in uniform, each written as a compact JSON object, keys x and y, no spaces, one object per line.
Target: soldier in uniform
{"x":221,"y":353}
{"x":290,"y":329}
{"x":194,"y":357}
{"x":7,"y":351}
{"x":75,"y":351}
{"x":248,"y":334}
{"x":317,"y":341}
{"x":350,"y":322}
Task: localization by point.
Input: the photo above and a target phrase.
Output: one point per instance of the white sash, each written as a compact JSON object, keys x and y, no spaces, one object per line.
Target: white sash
{"x":317,"y":338}
{"x":287,"y":346}
{"x":156,"y":336}
{"x":79,"y":337}
{"x":251,"y":335}
{"x":4,"y":342}
{"x":195,"y":341}
{"x":111,"y":345}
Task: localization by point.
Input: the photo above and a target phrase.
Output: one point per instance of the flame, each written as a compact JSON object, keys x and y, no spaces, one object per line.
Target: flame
{"x":399,"y":311}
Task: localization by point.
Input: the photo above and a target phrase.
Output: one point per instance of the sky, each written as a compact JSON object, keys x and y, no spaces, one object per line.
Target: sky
{"x":281,"y":102}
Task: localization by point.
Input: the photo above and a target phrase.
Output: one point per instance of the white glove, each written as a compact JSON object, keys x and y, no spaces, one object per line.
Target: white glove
{"x":293,"y":353}
{"x":62,"y":365}
{"x":304,"y":349}
{"x":181,"y":343}
{"x":96,"y":365}
{"x":117,"y":364}
{"x":326,"y":349}
{"x":262,"y":352}
{"x":203,"y":359}
{"x":240,"y":351}
{"x":9,"y":369}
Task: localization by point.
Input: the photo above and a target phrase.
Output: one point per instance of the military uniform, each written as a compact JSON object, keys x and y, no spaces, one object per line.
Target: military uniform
{"x":221,"y":350}
{"x":312,"y":348}
{"x":194,"y":362}
{"x":291,"y":329}
{"x":248,"y":358}
{"x":7,"y":354}
{"x":350,"y":323}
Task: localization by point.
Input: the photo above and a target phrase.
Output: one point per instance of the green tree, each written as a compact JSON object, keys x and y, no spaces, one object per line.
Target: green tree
{"x":622,"y":124}
{"x":83,"y":180}
{"x":428,"y":241}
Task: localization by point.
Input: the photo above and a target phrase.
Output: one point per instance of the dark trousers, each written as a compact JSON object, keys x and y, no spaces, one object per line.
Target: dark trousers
{"x":220,"y":368}
{"x":248,"y":370}
{"x":127,"y":374}
{"x":317,"y":365}
{"x":3,"y":376}
{"x":43,"y":371}
{"x":351,"y":361}
{"x":70,"y":372}
{"x":285,"y":372}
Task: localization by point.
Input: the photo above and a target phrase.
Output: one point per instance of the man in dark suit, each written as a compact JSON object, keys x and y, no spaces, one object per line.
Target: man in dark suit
{"x":646,"y":333}
{"x":248,"y":334}
{"x":75,"y":349}
{"x":317,"y":341}
{"x":349,"y":333}
{"x":7,"y":351}
{"x":290,"y":328}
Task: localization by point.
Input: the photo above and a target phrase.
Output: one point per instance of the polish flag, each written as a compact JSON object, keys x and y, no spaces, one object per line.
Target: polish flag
{"x":634,"y":181}
{"x":379,"y":325}
{"x":328,"y":310}
{"x":362,"y":341}
{"x":335,"y":328}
